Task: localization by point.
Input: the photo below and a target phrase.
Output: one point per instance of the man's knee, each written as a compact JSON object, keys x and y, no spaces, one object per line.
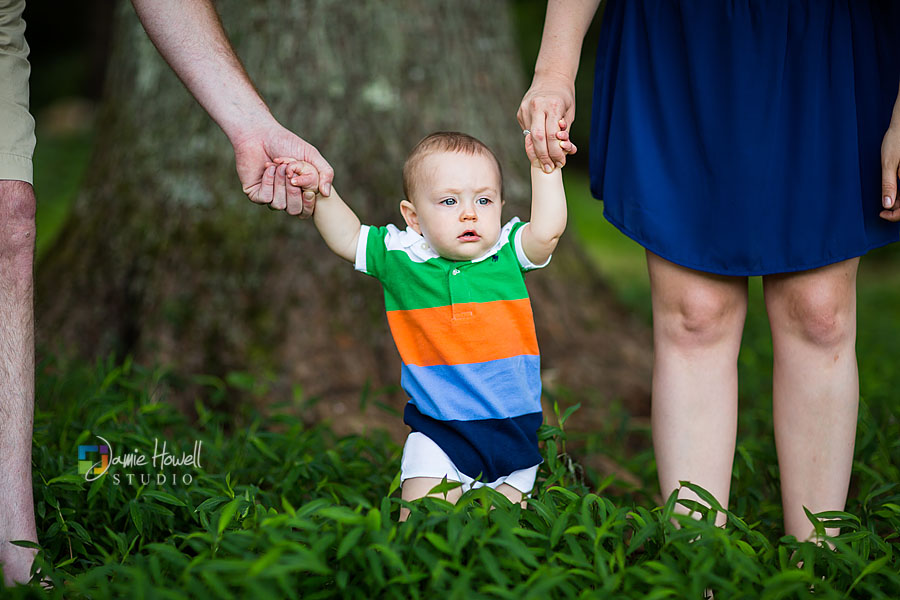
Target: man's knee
{"x":17,"y":228}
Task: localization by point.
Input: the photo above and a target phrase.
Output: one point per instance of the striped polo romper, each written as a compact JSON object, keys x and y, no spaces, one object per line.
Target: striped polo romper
{"x":471,"y":365}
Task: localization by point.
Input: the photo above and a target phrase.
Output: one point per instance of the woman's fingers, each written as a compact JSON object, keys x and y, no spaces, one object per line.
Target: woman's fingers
{"x":544,"y":112}
{"x":890,"y":162}
{"x":539,"y":140}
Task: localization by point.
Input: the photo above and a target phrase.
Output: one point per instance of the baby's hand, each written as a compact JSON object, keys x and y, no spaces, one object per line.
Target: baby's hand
{"x":564,"y":142}
{"x":303,"y":175}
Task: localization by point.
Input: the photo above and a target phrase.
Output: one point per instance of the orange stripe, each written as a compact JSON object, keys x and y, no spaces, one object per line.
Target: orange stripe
{"x":465,"y":333}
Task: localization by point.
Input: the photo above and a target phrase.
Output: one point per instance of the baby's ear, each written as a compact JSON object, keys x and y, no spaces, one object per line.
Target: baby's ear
{"x":408,"y":210}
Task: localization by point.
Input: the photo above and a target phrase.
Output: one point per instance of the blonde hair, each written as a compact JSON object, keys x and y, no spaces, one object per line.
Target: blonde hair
{"x":444,"y":141}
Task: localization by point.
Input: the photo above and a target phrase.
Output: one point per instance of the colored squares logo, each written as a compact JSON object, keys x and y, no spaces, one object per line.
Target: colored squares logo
{"x":88,"y":466}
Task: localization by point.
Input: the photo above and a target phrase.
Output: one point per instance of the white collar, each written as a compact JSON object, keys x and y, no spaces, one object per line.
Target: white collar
{"x":415,"y":244}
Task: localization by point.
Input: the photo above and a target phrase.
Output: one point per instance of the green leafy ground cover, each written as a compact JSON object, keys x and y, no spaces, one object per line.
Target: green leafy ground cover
{"x":282,"y":509}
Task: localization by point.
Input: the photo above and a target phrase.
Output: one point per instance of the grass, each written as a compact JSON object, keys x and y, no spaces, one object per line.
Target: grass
{"x":283,"y":509}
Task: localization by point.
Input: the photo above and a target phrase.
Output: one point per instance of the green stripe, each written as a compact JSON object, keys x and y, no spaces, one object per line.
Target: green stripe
{"x":409,"y":285}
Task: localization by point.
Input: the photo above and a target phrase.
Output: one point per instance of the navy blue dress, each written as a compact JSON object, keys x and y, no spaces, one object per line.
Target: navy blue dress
{"x":743,"y":137}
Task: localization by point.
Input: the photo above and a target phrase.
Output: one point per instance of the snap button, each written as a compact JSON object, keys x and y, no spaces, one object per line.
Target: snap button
{"x":456,"y":271}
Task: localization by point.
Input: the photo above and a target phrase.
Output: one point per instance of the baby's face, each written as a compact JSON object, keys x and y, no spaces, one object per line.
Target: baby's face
{"x":456,"y":204}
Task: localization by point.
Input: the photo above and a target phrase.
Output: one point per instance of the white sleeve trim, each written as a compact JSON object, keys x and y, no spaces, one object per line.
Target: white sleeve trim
{"x":524,"y":261}
{"x":361,"y":245}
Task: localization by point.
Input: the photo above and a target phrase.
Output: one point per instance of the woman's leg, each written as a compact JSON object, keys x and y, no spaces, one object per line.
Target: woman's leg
{"x":698,"y":319}
{"x":813,"y":319}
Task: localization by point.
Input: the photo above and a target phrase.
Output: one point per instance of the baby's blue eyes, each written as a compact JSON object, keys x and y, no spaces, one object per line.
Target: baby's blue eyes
{"x":453,"y":201}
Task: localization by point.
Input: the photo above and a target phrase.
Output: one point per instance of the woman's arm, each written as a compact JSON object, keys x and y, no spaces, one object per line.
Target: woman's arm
{"x":551,"y":96}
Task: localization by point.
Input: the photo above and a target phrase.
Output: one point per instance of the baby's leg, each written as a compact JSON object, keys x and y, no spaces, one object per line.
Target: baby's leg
{"x":512,"y":494}
{"x":418,"y":487}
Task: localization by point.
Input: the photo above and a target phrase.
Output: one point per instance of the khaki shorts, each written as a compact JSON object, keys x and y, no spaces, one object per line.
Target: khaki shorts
{"x":16,"y":123}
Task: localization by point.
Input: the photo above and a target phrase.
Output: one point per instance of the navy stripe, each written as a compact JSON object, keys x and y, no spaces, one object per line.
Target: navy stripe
{"x":486,"y":449}
{"x":495,"y":389}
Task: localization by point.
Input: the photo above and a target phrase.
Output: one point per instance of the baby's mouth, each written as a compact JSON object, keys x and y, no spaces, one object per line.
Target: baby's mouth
{"x":469,"y":236}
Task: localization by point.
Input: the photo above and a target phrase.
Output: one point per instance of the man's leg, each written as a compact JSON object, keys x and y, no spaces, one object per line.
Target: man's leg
{"x":17,"y":231}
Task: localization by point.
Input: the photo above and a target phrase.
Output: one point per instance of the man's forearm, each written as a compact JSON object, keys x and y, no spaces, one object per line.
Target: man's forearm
{"x":189,"y":35}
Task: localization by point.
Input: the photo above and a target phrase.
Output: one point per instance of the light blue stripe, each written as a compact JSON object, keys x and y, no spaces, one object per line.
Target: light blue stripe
{"x":496,"y":389}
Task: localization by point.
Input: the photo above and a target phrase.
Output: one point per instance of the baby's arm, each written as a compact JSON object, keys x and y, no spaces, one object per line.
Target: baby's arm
{"x":336,"y":222}
{"x":548,"y":207}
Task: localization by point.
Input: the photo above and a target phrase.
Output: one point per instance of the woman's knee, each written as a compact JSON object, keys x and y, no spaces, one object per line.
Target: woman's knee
{"x":817,"y":307}
{"x":699,"y":317}
{"x":823,"y":316}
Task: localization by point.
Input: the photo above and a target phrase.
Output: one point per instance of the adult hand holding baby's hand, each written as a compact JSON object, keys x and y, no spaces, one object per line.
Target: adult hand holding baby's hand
{"x":302,"y":179}
{"x":549,"y":101}
{"x":563,"y":141}
{"x":267,"y":182}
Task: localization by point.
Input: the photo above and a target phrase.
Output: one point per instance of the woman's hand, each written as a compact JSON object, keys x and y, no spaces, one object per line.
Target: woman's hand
{"x":890,"y":163}
{"x":549,"y":100}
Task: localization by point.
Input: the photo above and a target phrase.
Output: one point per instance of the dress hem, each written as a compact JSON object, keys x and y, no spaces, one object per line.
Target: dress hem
{"x":750,"y":273}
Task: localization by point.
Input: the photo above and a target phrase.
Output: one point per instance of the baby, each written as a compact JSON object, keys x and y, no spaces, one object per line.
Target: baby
{"x":458,"y":310}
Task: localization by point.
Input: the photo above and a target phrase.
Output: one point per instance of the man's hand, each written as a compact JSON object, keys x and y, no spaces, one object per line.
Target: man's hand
{"x":301,"y":177}
{"x":265,"y":182}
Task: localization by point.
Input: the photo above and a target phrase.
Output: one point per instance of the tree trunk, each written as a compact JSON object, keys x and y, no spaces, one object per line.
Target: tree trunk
{"x":166,"y":260}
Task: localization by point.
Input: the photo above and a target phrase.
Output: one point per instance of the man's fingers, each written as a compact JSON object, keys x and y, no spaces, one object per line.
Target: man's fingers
{"x":325,"y":177}
{"x":279,"y":196}
{"x":325,"y":173}
{"x":309,"y":204}
{"x":294,"y":197}
{"x":264,"y":193}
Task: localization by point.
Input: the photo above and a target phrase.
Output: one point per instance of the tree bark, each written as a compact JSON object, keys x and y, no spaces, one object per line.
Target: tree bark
{"x":166,"y":260}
